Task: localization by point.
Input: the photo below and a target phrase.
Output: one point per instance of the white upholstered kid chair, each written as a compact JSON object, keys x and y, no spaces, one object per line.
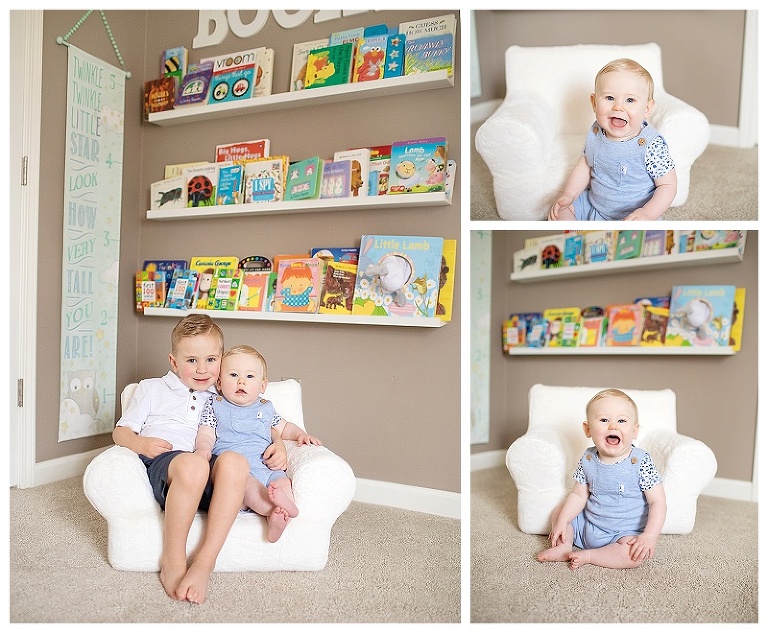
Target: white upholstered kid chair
{"x":117,"y":486}
{"x":543,"y":460}
{"x":533,"y":140}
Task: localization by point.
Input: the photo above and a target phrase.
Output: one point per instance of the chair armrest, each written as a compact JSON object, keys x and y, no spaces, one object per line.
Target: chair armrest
{"x":685,"y":464}
{"x":518,"y":136}
{"x":684,"y":128}
{"x":537,"y":461}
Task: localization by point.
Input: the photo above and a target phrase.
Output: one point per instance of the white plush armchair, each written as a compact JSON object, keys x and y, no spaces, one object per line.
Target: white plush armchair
{"x":543,"y":460}
{"x":117,"y":486}
{"x":533,"y":140}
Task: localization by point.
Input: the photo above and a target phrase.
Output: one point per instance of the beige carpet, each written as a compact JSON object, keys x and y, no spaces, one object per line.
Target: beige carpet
{"x":723,"y":186}
{"x":385,"y":565}
{"x":709,"y":575}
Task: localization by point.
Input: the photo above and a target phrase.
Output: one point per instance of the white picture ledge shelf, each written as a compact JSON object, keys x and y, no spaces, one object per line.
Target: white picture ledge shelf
{"x":621,"y":351}
{"x":700,"y":258}
{"x":432,"y":322}
{"x":307,"y":97}
{"x":305,"y":206}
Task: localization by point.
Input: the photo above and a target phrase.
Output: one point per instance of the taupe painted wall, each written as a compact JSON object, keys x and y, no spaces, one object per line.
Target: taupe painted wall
{"x":701,"y":50}
{"x":716,"y":396}
{"x":387,"y":399}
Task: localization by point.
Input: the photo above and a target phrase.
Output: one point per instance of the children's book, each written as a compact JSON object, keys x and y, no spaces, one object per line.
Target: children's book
{"x":625,"y":324}
{"x":195,"y":85}
{"x":348,"y":254}
{"x":708,"y":240}
{"x":526,"y":258}
{"x":299,"y":63}
{"x":654,"y":243}
{"x":592,"y":327}
{"x":263,"y":87}
{"x":551,"y":249}
{"x":234,"y":75}
{"x":360,"y":160}
{"x":224,"y":293}
{"x":168,"y":194}
{"x":206,"y":267}
{"x":229,"y":184}
{"x":255,"y":262}
{"x":563,"y":326}
{"x":393,"y":65}
{"x":737,"y":322}
{"x":656,"y":302}
{"x":378,"y":170}
{"x":398,"y":276}
{"x":598,"y":246}
{"x":253,"y":289}
{"x":172,"y":171}
{"x":269,"y":299}
{"x":338,"y":288}
{"x":329,"y":66}
{"x":450,"y":177}
{"x":447,"y":281}
{"x":700,"y":315}
{"x":629,"y":244}
{"x":299,"y":283}
{"x":348,"y":36}
{"x":159,"y":95}
{"x":370,"y":58}
{"x":573,"y":250}
{"x":429,"y":26}
{"x":174,"y":63}
{"x":418,"y":166}
{"x":181,"y":294}
{"x":150,"y":289}
{"x":200,"y":185}
{"x":165,"y":266}
{"x":428,"y":54}
{"x":337,"y":174}
{"x":264,"y":179}
{"x":515,"y":329}
{"x":242,"y":151}
{"x":303,"y":179}
{"x":654,"y":325}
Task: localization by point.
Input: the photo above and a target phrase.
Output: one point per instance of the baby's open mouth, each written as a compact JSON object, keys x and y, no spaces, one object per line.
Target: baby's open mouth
{"x":617,"y":122}
{"x":613,"y":440}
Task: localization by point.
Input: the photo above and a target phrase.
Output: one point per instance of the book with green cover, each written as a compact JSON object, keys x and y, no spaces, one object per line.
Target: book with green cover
{"x":329,"y":66}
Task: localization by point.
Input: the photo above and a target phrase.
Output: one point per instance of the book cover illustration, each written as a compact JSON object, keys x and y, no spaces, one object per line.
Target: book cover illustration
{"x":563,"y":326}
{"x":538,"y":332}
{"x":447,"y":281}
{"x":428,"y":27}
{"x":370,"y":57}
{"x":700,"y":315}
{"x":708,"y":240}
{"x":229,"y":184}
{"x":347,"y":36}
{"x":253,"y":289}
{"x":263,"y":87}
{"x":592,"y":327}
{"x":299,"y":63}
{"x":195,"y":85}
{"x":393,"y":65}
{"x":515,"y":329}
{"x":242,"y":151}
{"x":573,"y":250}
{"x":737,"y":322}
{"x":629,"y":244}
{"x":165,"y":266}
{"x":360,"y":160}
{"x":181,"y":294}
{"x":598,"y":246}
{"x":654,"y":243}
{"x":159,"y":95}
{"x":255,"y":262}
{"x":168,"y":194}
{"x":654,"y":325}
{"x":378,"y":170}
{"x":625,"y":324}
{"x":299,"y":283}
{"x":200,"y":185}
{"x":264,"y":179}
{"x":174,"y":63}
{"x":329,"y":66}
{"x":338,"y":288}
{"x":303,"y":180}
{"x":551,"y":250}
{"x":206,"y":267}
{"x":417,"y":166}
{"x":348,"y":254}
{"x":398,"y":276}
{"x":234,"y":76}
{"x":428,"y":54}
{"x":150,"y":289}
{"x":526,"y":258}
{"x":224,"y":292}
{"x":337,"y":175}
{"x":177,"y":169}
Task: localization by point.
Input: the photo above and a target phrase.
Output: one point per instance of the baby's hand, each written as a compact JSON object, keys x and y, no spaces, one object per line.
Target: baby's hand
{"x":275,"y":456}
{"x":305,"y":438}
{"x":562,"y":209}
{"x":639,"y":214}
{"x":642,"y":547}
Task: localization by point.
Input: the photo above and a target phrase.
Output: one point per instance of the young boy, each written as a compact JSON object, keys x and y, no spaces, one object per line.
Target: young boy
{"x":625,"y":171}
{"x":160,"y":424}
{"x":241,"y":420}
{"x":617,"y":508}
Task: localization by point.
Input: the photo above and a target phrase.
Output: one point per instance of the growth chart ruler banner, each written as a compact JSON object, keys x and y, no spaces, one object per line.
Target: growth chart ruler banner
{"x":93,"y":181}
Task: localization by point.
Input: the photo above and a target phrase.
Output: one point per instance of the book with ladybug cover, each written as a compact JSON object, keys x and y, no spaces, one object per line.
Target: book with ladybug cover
{"x":200,"y":185}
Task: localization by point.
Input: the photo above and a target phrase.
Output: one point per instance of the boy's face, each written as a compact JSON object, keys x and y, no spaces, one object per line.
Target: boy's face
{"x":620,"y":102}
{"x":242,"y":379}
{"x":612,"y":425}
{"x":197,"y":361}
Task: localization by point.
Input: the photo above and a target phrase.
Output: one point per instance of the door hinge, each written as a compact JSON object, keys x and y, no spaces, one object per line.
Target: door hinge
{"x":20,"y":392}
{"x":24,"y":167}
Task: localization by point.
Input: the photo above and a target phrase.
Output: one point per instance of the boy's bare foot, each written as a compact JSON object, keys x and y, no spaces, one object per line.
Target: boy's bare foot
{"x":579,"y":558}
{"x":282,"y":499}
{"x":171,"y":575}
{"x":276,"y":524}
{"x":194,"y":586}
{"x":555,"y":554}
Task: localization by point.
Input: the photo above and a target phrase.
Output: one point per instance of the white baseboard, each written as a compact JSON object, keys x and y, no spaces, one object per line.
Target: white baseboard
{"x":734,"y":489}
{"x":63,"y":467}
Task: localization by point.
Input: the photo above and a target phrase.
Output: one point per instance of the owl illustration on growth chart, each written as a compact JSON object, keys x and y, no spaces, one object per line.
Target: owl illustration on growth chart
{"x":82,"y":391}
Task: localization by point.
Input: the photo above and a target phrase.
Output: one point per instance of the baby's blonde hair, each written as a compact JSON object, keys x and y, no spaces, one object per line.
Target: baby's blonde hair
{"x":613,"y":393}
{"x":628,"y":65}
{"x":247,"y":349}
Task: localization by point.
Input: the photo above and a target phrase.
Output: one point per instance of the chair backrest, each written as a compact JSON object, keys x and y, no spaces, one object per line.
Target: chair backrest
{"x":565,"y":409}
{"x":564,"y":76}
{"x":284,"y":394}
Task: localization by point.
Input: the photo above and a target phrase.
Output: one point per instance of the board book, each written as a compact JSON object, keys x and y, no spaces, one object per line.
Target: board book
{"x":299,"y":62}
{"x":338,"y":288}
{"x":234,"y":75}
{"x":393,"y":65}
{"x":329,"y":66}
{"x":417,"y":166}
{"x":195,"y":85}
{"x":598,"y":246}
{"x":303,"y":180}
{"x":264,"y":179}
{"x":429,"y":54}
{"x":447,"y":281}
{"x":378,"y":170}
{"x":360,"y":160}
{"x":655,"y":320}
{"x":563,"y":326}
{"x":167,"y":194}
{"x":229,"y":184}
{"x":174,"y":62}
{"x":335,"y":182}
{"x":206,"y":267}
{"x":629,"y":244}
{"x":370,"y":58}
{"x":181,"y":294}
{"x":264,"y":71}
{"x":737,"y":323}
{"x":348,"y":254}
{"x":398,"y":276}
{"x":625,"y":324}
{"x":242,"y":151}
{"x":200,"y":185}
{"x":253,"y":289}
{"x":299,"y":283}
{"x":428,"y":27}
{"x":150,"y":289}
{"x":700,"y":315}
{"x":166,"y":266}
{"x":159,"y":95}
{"x":224,"y":293}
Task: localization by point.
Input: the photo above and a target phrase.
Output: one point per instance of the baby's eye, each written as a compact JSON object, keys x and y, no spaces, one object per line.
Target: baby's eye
{"x":621,"y":421}
{"x":251,"y":376}
{"x":609,"y":98}
{"x":630,"y":100}
{"x":192,"y":361}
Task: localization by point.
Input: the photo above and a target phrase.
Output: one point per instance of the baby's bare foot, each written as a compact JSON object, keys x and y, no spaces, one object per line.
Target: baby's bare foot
{"x":554,"y":554}
{"x":579,"y":558}
{"x":171,"y":575}
{"x":276,"y":524}
{"x":282,"y":499}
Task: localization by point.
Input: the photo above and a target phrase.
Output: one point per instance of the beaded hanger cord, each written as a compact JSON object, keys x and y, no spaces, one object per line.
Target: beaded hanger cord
{"x":63,"y":40}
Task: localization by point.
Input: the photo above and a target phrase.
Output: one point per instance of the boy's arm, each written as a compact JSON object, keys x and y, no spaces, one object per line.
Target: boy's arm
{"x":661,"y":200}
{"x":204,"y":440}
{"x":276,"y":456}
{"x":149,"y":446}
{"x":644,"y":545}
{"x":574,"y":503}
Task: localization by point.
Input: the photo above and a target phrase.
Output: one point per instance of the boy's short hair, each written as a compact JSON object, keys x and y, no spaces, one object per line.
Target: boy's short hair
{"x":628,"y":65}
{"x":247,"y":349}
{"x":195,"y":325}
{"x":613,"y":393}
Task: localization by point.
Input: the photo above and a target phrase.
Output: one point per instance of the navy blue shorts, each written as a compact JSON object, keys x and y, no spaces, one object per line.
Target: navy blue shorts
{"x":157,"y":471}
